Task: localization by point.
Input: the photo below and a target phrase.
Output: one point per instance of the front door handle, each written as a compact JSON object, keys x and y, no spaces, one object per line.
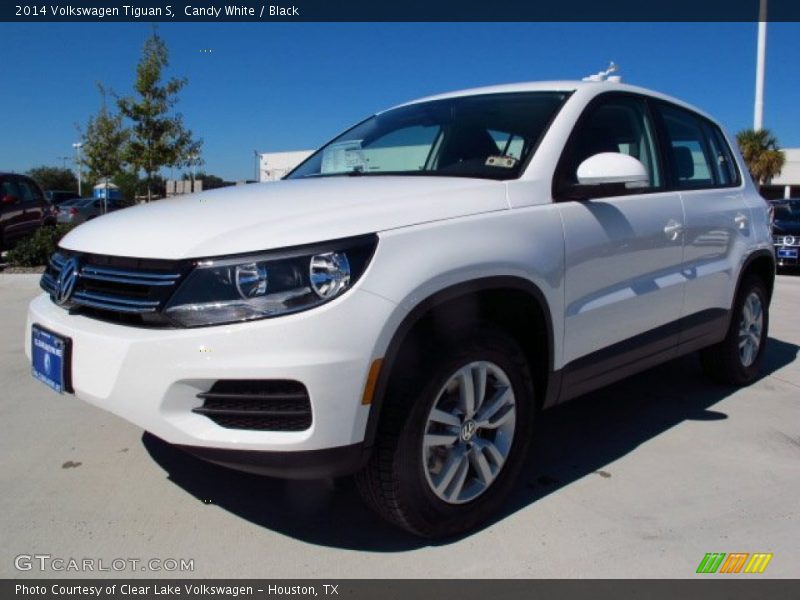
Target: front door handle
{"x":741,"y":220}
{"x":673,"y":230}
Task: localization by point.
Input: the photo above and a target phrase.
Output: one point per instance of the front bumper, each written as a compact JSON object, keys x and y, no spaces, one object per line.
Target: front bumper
{"x":787,"y":256}
{"x":303,"y":464}
{"x":151,"y":377}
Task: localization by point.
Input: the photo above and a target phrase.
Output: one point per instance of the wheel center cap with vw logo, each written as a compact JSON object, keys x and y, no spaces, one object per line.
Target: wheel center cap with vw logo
{"x":468,"y":429}
{"x":65,"y":284}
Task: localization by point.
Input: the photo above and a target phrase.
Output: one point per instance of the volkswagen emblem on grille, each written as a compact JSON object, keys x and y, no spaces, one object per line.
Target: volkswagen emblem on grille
{"x":65,"y":284}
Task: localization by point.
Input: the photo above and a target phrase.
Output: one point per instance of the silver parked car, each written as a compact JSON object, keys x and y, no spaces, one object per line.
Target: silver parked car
{"x":85,"y":209}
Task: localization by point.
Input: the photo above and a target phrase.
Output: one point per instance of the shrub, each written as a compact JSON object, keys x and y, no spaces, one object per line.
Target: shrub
{"x":36,"y":250}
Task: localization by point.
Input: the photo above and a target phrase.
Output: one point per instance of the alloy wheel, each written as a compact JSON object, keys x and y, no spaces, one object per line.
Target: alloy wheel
{"x":751,"y":326}
{"x":469,"y":432}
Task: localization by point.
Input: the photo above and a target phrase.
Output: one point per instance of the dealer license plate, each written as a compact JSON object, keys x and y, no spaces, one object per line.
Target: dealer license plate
{"x":50,"y":359}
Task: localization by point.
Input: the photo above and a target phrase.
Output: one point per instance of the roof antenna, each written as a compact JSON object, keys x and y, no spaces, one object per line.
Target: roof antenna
{"x":606,"y":75}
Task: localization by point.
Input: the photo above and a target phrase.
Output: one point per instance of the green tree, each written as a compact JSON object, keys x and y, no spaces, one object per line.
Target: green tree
{"x":128,"y":182}
{"x":210,"y":182}
{"x":761,"y":153}
{"x":104,"y":142}
{"x":54,"y":178}
{"x":158,"y":136}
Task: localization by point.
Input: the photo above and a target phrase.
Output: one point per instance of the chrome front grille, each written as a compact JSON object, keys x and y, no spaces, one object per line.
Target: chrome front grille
{"x":786,"y":240}
{"x":116,"y":287}
{"x":114,"y":303}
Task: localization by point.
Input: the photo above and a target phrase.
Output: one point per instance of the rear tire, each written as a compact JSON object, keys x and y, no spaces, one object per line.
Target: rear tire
{"x":738,"y":358}
{"x":438,"y":469}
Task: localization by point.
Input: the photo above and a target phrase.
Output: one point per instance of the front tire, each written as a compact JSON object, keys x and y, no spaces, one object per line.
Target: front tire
{"x":738,"y":358}
{"x":453,"y":438}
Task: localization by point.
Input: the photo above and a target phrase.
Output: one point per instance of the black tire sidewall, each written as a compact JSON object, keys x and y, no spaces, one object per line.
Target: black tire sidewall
{"x":433,"y":515}
{"x":746,"y":374}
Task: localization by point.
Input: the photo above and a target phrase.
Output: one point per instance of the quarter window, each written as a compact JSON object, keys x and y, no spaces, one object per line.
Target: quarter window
{"x":724,"y":164}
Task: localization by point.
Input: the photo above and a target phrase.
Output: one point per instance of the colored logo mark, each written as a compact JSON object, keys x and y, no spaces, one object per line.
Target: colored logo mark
{"x":735,"y":562}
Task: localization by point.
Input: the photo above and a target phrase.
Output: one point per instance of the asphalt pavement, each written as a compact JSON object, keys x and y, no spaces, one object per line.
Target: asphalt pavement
{"x":641,"y":479}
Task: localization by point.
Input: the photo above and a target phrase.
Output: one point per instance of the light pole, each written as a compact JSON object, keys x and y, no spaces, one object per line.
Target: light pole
{"x":758,"y":108}
{"x":193,"y":158}
{"x":78,"y":146}
{"x":257,"y":166}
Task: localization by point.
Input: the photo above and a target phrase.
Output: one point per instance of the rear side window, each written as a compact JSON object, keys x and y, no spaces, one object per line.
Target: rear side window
{"x":29,"y":191}
{"x":699,"y":156}
{"x":9,"y":194}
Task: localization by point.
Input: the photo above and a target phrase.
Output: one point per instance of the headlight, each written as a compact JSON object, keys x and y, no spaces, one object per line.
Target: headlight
{"x":243,"y":288}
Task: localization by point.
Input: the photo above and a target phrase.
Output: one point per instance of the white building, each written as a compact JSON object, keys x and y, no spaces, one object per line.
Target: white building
{"x":274,"y":165}
{"x":789,"y":179}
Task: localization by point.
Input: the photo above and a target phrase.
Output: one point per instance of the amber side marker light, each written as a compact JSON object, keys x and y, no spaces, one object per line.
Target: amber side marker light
{"x":372,"y":381}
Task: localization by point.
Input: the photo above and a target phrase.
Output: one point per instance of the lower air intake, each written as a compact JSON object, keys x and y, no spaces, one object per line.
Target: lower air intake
{"x":262,"y":405}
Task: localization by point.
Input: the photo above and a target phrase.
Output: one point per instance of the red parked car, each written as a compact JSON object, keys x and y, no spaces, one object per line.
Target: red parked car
{"x":23,"y":209}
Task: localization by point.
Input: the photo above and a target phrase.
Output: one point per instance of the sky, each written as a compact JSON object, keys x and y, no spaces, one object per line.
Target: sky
{"x":291,"y":86}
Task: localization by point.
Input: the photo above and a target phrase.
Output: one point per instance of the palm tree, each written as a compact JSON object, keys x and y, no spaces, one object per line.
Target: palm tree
{"x":761,"y":153}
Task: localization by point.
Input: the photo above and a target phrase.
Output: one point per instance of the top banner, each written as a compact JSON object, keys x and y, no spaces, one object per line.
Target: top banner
{"x":406,"y":11}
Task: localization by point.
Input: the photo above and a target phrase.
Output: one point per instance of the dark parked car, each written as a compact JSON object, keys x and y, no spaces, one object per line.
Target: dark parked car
{"x":86,"y":209}
{"x":786,"y":231}
{"x":23,"y":209}
{"x":57,"y":197}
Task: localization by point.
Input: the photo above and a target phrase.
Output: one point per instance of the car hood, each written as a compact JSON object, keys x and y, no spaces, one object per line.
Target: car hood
{"x":279,"y":214}
{"x":786,"y":227}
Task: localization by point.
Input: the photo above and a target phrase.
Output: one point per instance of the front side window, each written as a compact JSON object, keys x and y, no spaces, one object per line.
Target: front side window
{"x":490,"y":136}
{"x":618,"y":124}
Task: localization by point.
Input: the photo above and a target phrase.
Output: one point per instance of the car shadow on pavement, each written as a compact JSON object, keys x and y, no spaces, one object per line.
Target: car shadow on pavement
{"x":572,"y":441}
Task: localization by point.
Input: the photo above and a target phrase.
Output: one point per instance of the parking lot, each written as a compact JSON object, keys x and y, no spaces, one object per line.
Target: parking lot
{"x":641,"y":479}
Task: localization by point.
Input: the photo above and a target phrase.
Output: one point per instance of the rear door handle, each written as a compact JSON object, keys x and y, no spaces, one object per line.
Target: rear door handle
{"x":673,"y":230}
{"x":741,"y":220}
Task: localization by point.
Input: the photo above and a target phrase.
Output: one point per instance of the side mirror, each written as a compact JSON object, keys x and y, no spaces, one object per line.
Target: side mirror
{"x":609,"y":174}
{"x":613,"y":167}
{"x":8,"y":199}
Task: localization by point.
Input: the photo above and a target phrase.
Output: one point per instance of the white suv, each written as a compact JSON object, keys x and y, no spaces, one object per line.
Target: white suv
{"x":404,"y":303}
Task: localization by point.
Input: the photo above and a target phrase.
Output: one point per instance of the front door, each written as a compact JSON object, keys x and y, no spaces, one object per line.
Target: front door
{"x":624,"y":287}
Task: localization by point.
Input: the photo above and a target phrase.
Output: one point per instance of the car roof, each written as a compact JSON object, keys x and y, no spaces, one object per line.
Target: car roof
{"x":5,"y":173}
{"x":559,"y":86}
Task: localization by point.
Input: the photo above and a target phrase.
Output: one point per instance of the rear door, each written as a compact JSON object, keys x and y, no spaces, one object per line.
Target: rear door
{"x":33,"y":204}
{"x":12,"y":211}
{"x":623,"y":283}
{"x":717,"y":225}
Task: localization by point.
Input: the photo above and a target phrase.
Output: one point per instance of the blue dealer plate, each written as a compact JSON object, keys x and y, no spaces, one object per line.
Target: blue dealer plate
{"x":787,"y":252}
{"x":50,"y":359}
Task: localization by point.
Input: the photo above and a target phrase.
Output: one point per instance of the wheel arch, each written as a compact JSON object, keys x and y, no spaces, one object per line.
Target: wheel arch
{"x":762,"y":264}
{"x":448,"y":311}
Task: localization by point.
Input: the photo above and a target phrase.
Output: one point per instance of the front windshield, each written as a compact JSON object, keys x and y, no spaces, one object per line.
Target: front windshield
{"x":490,"y":136}
{"x":788,"y":211}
